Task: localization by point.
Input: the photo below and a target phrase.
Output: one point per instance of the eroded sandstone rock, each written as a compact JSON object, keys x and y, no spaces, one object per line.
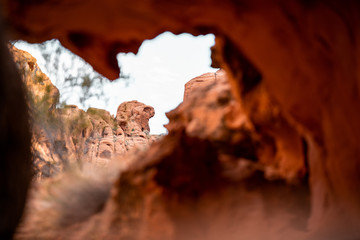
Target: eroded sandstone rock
{"x":69,"y":137}
{"x":208,"y":178}
{"x":303,"y":55}
{"x":263,"y":135}
{"x":133,"y":117}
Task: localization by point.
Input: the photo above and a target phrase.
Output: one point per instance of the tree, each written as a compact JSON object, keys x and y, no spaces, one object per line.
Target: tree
{"x":71,"y":74}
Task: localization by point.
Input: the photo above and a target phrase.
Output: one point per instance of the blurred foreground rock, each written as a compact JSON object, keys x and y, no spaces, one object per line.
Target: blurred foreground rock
{"x":211,"y":177}
{"x":293,"y":68}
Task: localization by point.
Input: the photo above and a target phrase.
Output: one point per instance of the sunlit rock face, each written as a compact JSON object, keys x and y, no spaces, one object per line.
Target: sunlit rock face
{"x":42,"y":97}
{"x":197,"y":82}
{"x":134,"y":116}
{"x":102,"y":139}
{"x":69,"y":137}
{"x":299,"y":57}
{"x":114,"y":137}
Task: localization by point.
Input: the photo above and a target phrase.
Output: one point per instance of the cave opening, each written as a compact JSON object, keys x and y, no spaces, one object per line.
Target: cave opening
{"x":156,"y":75}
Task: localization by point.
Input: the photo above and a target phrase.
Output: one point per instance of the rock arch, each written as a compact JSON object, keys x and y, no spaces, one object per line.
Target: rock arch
{"x":302,"y":54}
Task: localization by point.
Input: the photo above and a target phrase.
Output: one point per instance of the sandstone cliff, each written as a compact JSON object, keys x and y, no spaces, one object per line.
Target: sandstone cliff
{"x":69,"y":137}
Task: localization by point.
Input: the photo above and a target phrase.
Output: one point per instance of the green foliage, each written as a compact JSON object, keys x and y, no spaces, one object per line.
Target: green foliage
{"x":92,"y":111}
{"x":38,"y":79}
{"x":79,"y":123}
{"x":48,"y":89}
{"x":99,"y":114}
{"x":115,"y":126}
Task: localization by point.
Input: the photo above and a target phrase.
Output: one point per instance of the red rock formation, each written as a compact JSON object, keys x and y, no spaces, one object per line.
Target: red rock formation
{"x":133,"y":117}
{"x":207,"y":113}
{"x":301,"y":57}
{"x":197,"y":82}
{"x":42,"y":93}
{"x":183,"y":180}
{"x":70,"y":137}
{"x":42,"y":98}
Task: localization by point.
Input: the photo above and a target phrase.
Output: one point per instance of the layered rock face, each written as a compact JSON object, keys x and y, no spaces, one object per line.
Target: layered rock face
{"x":299,"y":57}
{"x":116,"y":136}
{"x":69,"y":137}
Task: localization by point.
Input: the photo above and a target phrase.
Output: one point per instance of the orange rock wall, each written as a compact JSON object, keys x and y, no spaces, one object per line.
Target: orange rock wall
{"x":302,"y":55}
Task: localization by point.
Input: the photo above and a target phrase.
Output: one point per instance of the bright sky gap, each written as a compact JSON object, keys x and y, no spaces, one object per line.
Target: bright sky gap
{"x":158,"y":74}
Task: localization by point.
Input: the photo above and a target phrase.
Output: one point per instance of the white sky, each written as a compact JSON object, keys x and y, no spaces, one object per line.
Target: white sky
{"x":158,"y":74}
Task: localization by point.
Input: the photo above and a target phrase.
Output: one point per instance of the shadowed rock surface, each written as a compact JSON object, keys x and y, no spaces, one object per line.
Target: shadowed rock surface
{"x":15,"y":143}
{"x":301,"y":58}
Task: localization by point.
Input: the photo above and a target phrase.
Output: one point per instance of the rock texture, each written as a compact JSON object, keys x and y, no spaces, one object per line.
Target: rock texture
{"x":69,"y":137}
{"x":42,"y":94}
{"x":206,"y":163}
{"x":42,"y":97}
{"x":133,"y":118}
{"x":264,"y":136}
{"x":300,"y":57}
{"x":196,"y":83}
